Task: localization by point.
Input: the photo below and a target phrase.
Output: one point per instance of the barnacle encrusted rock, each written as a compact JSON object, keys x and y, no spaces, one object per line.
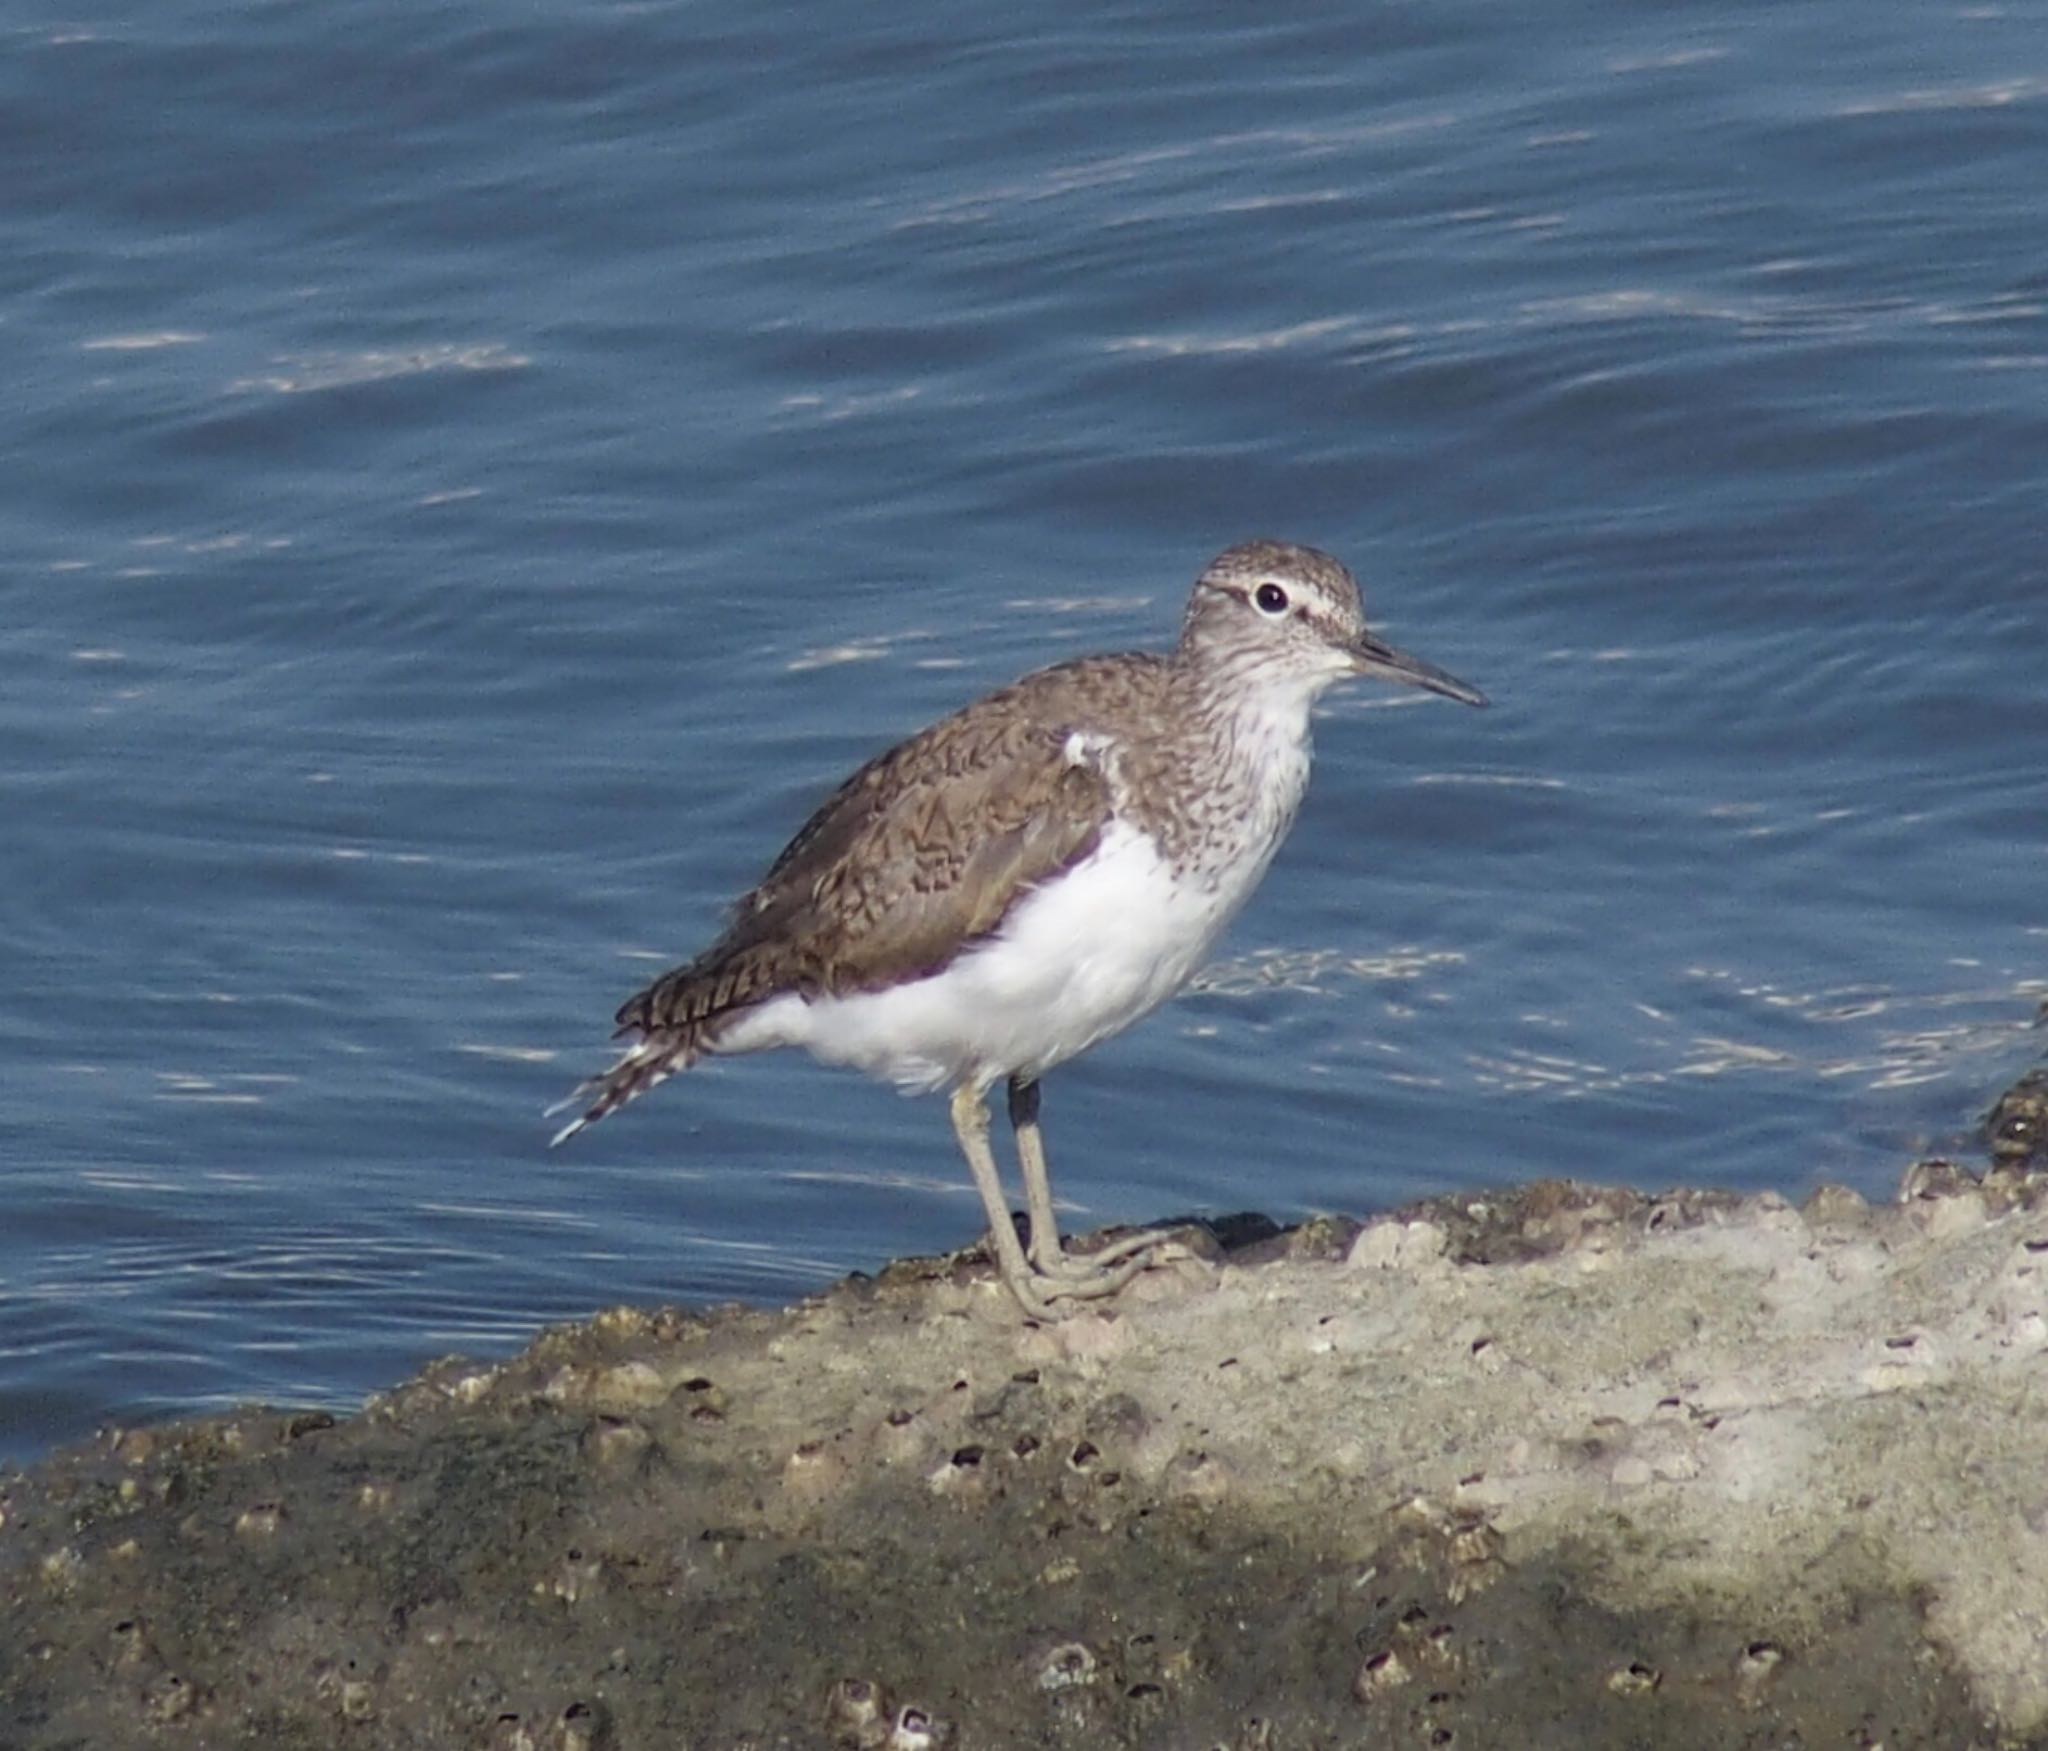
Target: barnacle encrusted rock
{"x":1688,"y":1469}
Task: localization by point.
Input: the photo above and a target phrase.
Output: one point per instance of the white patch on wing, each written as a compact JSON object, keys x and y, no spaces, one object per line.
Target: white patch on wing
{"x":1087,"y":748}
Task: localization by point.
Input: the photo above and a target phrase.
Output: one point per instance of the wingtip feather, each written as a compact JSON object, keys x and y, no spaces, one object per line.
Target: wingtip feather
{"x":652,"y":1060}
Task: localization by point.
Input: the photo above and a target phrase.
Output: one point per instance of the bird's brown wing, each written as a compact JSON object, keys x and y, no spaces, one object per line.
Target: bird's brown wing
{"x":923,"y":850}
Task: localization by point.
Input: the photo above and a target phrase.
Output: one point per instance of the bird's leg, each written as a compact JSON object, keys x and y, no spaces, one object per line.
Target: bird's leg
{"x":1046,"y":1252}
{"x":970,"y":1126}
{"x":1089,"y":1274}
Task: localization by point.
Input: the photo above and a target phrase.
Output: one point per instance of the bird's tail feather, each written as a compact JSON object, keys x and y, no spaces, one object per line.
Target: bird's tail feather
{"x":648,"y":1062}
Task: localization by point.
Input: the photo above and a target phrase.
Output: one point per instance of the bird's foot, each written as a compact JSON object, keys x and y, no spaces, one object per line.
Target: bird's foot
{"x":1051,"y":1259}
{"x":1054,"y":1280}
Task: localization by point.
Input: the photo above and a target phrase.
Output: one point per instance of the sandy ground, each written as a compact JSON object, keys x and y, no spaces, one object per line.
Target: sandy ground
{"x":1561,"y":1467}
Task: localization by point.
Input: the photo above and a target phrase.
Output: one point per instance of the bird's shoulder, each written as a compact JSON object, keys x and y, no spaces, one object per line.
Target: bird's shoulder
{"x":925,"y":849}
{"x":929,"y":844}
{"x":1031,"y":748}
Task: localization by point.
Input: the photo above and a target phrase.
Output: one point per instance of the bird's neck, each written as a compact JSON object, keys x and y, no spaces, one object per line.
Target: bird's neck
{"x":1249,"y":709}
{"x":1234,"y":763}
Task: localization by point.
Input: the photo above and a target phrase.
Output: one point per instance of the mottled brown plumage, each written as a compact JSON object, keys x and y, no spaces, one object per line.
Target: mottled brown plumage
{"x":917,"y":856}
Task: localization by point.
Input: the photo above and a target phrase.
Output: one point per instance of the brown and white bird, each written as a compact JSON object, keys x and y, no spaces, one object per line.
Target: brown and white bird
{"x":1029,"y":876}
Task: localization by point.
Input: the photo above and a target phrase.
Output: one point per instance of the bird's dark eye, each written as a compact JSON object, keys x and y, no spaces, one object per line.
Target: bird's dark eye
{"x":1271,"y":599}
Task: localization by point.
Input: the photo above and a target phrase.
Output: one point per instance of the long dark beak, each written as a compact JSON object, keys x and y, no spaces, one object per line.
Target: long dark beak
{"x":1373,"y":656}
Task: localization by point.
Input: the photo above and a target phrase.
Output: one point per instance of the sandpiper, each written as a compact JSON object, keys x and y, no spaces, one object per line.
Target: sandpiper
{"x":1028,"y":876}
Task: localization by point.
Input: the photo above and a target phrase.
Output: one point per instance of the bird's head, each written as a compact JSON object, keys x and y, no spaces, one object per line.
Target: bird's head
{"x":1272,"y":612}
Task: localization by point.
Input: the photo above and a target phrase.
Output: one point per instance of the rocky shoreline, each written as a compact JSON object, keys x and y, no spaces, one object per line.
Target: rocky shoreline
{"x":1565,"y":1466}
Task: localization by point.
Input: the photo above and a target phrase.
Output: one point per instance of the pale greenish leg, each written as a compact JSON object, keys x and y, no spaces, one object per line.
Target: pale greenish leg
{"x":970,"y":1126}
{"x":1086,"y":1276}
{"x":1046,"y":1252}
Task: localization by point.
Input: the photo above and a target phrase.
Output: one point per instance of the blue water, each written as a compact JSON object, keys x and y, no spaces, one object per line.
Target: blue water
{"x":475,"y":476}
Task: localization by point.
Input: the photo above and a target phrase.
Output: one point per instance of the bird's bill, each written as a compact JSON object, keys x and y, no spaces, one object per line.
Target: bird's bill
{"x":1372,"y":656}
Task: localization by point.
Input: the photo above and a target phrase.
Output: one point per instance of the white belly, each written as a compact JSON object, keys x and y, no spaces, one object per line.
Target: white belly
{"x":1077,"y":961}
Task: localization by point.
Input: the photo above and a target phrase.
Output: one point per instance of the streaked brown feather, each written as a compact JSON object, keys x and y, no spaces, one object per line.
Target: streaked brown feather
{"x":887,"y":881}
